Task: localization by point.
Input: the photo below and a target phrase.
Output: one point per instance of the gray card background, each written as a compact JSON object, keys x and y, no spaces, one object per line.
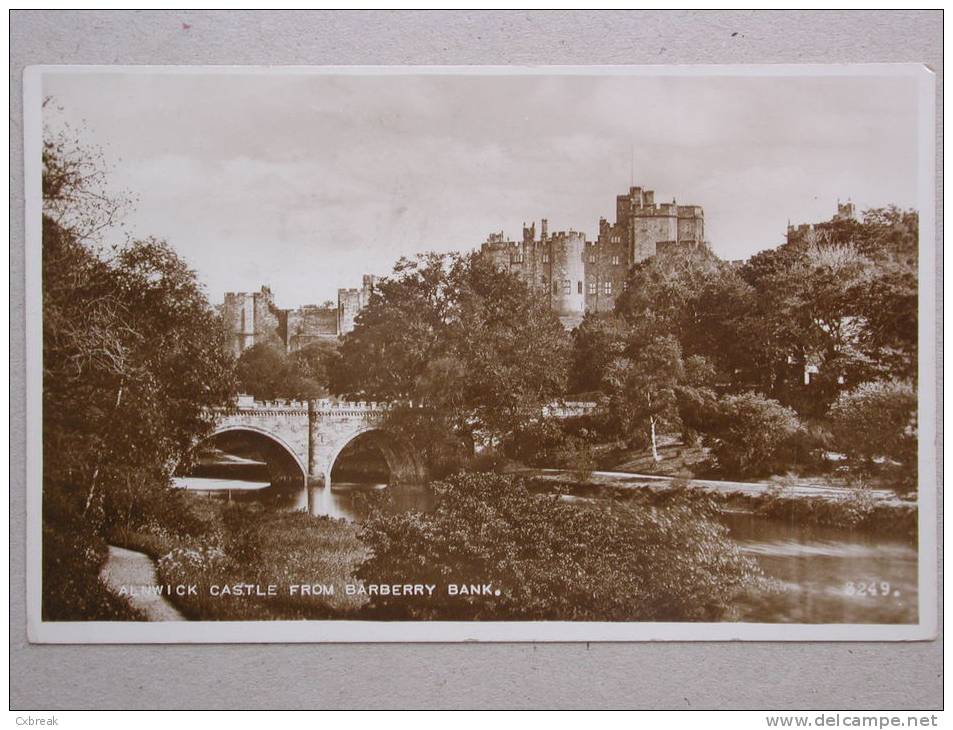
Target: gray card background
{"x":639,"y":675}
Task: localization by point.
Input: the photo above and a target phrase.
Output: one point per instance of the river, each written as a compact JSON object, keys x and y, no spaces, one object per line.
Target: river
{"x":822,"y":574}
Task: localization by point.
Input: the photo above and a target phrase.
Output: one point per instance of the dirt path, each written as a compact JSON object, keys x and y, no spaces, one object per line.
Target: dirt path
{"x":136,"y":573}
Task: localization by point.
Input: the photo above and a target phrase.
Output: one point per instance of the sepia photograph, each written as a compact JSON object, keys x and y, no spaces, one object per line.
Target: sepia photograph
{"x":480,"y":353}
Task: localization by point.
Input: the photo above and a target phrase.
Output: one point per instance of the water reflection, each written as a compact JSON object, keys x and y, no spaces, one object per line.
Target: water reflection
{"x":828,"y":574}
{"x":345,"y":500}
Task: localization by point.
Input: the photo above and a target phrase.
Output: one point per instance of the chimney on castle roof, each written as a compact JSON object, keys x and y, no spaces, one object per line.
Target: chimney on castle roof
{"x":543,"y":229}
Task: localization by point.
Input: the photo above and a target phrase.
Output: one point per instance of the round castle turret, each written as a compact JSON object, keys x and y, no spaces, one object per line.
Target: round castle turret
{"x":568,"y":275}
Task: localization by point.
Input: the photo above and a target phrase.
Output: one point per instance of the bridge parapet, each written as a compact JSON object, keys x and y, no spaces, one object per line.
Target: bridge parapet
{"x":322,"y":406}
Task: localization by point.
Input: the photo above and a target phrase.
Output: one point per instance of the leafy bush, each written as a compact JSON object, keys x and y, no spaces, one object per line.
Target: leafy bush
{"x":246,"y":544}
{"x":553,"y":560}
{"x":877,"y":420}
{"x":748,"y":434}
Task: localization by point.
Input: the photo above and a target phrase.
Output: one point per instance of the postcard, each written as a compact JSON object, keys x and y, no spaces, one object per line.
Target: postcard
{"x":481,"y":353}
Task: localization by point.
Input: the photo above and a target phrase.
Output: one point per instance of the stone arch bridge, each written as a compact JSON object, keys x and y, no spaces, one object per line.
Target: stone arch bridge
{"x":305,"y":437}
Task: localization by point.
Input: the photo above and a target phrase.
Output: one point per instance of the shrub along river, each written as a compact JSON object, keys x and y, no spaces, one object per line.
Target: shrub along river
{"x":825,"y":574}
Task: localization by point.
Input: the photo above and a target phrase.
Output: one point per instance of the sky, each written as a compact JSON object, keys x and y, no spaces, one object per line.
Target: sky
{"x":304,"y":182}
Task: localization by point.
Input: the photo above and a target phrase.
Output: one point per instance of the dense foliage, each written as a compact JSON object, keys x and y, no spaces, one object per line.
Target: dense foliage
{"x":474,"y":351}
{"x":553,"y":560}
{"x":267,"y":372}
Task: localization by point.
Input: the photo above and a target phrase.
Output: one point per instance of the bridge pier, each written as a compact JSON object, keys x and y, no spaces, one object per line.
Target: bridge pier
{"x":315,"y":477}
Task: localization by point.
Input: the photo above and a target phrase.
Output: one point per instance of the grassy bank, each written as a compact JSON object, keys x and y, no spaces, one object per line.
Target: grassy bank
{"x":245,"y":545}
{"x":856,"y":511}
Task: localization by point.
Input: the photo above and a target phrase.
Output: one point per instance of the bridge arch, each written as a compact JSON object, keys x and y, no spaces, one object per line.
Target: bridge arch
{"x":404,"y":465}
{"x":278,"y":453}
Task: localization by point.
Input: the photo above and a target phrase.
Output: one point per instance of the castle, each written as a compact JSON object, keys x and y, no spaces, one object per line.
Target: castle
{"x":845,"y":212}
{"x":252,"y":318}
{"x":574,"y":274}
{"x":578,"y":275}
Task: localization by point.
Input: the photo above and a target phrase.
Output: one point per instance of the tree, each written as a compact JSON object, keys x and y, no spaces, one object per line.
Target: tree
{"x":596,"y":343}
{"x":888,"y":306}
{"x":465,"y":343}
{"x":877,"y":421}
{"x":267,"y":372}
{"x":841,"y":299}
{"x":661,"y":296}
{"x":313,"y":365}
{"x":133,"y":365}
{"x":643,"y":393}
{"x":696,"y":397}
{"x":261,"y":371}
{"x":749,"y":433}
{"x":545,"y":559}
{"x":75,"y":179}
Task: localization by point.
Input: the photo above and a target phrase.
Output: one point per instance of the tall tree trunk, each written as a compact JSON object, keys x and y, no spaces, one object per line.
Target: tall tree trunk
{"x":92,"y":482}
{"x":654,"y":442}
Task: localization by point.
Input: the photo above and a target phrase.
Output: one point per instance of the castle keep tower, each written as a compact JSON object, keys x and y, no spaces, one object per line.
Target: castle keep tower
{"x":648,"y":227}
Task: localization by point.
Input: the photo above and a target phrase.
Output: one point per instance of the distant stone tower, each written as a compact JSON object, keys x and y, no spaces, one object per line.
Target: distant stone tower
{"x":567,"y":273}
{"x":352,"y":301}
{"x":845,"y":211}
{"x":649,"y":227}
{"x":251,"y":318}
{"x":817,"y":232}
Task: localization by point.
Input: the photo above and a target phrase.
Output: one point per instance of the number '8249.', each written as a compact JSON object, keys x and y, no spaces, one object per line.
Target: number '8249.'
{"x":868,"y":588}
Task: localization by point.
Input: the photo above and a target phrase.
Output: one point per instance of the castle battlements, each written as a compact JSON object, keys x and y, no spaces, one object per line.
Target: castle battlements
{"x":252,"y":318}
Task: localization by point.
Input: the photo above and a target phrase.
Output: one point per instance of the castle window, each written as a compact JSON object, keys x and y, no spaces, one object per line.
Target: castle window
{"x":616,"y":260}
{"x":592,"y":287}
{"x":545,"y":257}
{"x":616,"y":239}
{"x":567,"y":286}
{"x":592,"y":258}
{"x":625,"y":285}
{"x":518,"y":258}
{"x":555,"y":287}
{"x":607,"y":287}
{"x":580,"y":287}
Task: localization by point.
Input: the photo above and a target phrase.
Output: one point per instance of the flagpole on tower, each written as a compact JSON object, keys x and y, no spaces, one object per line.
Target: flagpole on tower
{"x":631,"y":164}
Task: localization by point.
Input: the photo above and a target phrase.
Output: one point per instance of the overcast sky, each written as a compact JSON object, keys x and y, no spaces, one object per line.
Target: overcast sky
{"x":304,"y":182}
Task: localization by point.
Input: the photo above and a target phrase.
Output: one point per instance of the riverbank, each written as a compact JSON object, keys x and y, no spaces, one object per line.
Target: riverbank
{"x":876,"y":511}
{"x":244,"y":546}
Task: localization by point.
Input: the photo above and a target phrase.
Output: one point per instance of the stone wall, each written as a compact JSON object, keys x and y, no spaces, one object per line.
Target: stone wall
{"x":310,"y":324}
